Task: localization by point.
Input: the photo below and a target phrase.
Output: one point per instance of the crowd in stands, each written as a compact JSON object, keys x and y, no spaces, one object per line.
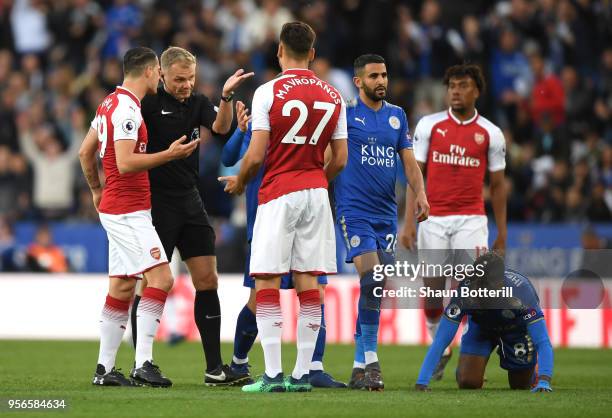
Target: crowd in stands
{"x":548,"y":65}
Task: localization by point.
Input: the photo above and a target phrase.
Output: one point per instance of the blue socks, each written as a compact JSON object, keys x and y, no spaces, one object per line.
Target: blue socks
{"x":359,"y":360}
{"x":369,"y":318}
{"x":246,"y":332}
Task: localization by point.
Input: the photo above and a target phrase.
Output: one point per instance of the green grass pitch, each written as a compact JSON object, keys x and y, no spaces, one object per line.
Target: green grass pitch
{"x":63,"y":370}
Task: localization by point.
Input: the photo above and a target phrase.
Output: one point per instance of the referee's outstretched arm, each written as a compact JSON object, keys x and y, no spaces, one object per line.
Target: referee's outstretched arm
{"x":223,"y":122}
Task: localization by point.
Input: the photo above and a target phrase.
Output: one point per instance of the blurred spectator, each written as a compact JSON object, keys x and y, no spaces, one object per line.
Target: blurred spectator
{"x":435,"y":54}
{"x":13,"y":183}
{"x":338,"y":78}
{"x":10,"y":257}
{"x":54,"y":169}
{"x":547,"y":96}
{"x":578,"y":100}
{"x":122,"y":25}
{"x":510,"y":77}
{"x":603,"y":105}
{"x":43,"y":255}
{"x":598,"y":210}
{"x":60,"y":58}
{"x":29,"y":23}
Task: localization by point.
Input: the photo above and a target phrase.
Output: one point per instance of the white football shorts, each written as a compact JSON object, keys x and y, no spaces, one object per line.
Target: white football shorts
{"x":133,"y":244}
{"x":294,"y":233}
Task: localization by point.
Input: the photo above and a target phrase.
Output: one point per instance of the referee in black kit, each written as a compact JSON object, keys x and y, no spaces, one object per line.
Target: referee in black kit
{"x":177,"y":209}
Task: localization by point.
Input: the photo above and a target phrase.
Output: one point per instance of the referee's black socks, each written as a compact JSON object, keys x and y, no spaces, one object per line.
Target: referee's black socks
{"x":207,"y":315}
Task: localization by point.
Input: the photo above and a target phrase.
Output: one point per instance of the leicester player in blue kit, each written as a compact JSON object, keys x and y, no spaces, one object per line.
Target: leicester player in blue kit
{"x":365,"y":201}
{"x":511,"y":320}
{"x":246,"y":326}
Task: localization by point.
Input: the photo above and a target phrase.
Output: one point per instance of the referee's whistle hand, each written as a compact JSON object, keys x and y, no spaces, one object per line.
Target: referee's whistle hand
{"x":178,"y":149}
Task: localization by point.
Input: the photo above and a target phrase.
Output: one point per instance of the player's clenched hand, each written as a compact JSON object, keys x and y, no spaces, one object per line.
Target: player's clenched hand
{"x":179,"y":149}
{"x":422,"y":388}
{"x":542,"y":386}
{"x":232,"y":185}
{"x":242,"y":116}
{"x":408,"y":236}
{"x":235,"y":80}
{"x":422,"y":207}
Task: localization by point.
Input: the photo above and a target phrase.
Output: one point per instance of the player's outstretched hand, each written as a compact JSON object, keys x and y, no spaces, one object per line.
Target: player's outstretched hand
{"x":422,"y":388}
{"x":235,"y":80}
{"x":232,"y":185}
{"x":542,"y":386}
{"x":178,"y":149}
{"x":422,"y":207}
{"x":408,"y":235}
{"x":242,"y":116}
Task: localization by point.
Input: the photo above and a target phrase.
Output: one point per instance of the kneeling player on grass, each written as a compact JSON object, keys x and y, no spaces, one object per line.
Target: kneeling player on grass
{"x":513,"y":322}
{"x":246,"y":326}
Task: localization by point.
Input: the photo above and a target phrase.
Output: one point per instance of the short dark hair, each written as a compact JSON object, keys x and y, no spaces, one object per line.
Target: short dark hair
{"x":466,"y":70}
{"x":137,"y":59}
{"x":493,"y":267}
{"x":365,"y":59}
{"x":298,"y":38}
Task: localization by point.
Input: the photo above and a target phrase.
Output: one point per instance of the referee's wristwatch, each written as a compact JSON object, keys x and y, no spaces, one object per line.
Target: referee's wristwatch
{"x":228,"y":98}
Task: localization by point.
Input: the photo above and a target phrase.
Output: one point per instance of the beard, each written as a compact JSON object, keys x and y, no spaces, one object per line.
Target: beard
{"x":373,"y":94}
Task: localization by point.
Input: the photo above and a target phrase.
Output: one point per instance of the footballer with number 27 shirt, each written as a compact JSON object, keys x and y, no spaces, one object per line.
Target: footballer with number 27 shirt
{"x":295,"y":117}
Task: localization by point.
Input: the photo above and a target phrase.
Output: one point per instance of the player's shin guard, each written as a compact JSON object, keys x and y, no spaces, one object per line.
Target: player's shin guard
{"x":148,"y":317}
{"x":369,"y":315}
{"x":270,"y":326}
{"x":308,"y":326}
{"x":246,"y":332}
{"x":317,"y":356}
{"x":112,"y":326}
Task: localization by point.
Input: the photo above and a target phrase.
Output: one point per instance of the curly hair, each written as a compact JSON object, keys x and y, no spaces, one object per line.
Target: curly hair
{"x":466,"y":70}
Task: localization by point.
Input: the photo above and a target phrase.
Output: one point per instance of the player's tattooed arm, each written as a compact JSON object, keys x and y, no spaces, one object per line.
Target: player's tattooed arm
{"x":87,"y":156}
{"x":89,"y":165}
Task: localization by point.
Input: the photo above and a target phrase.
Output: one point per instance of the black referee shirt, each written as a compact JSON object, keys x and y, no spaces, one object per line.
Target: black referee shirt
{"x":168,"y":119}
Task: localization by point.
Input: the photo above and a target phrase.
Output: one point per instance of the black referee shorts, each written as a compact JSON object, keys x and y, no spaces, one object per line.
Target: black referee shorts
{"x":181,"y":221}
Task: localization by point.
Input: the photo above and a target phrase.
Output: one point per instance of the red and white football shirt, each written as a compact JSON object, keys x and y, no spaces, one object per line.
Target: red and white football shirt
{"x":302,"y":113}
{"x":118,"y":118}
{"x":456,"y":155}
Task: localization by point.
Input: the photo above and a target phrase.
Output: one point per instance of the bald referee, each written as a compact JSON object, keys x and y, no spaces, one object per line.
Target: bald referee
{"x":177,"y":209}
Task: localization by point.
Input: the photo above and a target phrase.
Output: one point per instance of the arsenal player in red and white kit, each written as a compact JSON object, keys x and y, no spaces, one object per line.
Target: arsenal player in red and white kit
{"x":455,"y":149}
{"x":124,"y":205}
{"x":295,"y":117}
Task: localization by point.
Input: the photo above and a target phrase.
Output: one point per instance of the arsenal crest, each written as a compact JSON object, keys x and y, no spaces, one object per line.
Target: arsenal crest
{"x":155,"y":253}
{"x":479,"y":138}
